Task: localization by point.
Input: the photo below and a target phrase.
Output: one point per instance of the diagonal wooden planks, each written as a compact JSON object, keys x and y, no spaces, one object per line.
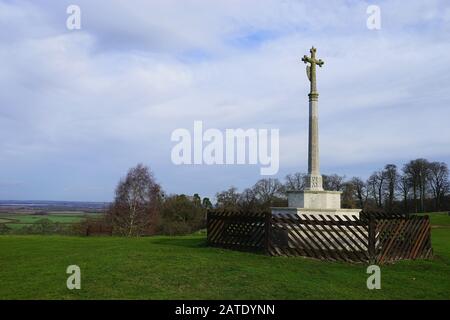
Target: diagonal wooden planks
{"x":236,"y":229}
{"x":323,"y":237}
{"x":407,"y":238}
{"x":372,"y":238}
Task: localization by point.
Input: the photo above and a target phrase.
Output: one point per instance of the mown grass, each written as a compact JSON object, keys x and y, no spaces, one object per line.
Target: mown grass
{"x":33,"y":267}
{"x":438,"y":219}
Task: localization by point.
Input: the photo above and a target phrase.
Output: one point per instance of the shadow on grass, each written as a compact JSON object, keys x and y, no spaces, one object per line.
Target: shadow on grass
{"x":187,"y":242}
{"x":182,"y":242}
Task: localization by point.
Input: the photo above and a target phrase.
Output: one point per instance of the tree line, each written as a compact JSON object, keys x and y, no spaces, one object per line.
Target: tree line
{"x":418,"y":186}
{"x":141,"y":207}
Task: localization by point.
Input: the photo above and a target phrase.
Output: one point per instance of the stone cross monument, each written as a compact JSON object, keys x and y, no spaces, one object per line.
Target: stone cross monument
{"x":314,"y":199}
{"x":314,"y":180}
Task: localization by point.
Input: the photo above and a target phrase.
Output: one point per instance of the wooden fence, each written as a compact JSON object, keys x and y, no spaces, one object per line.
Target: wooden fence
{"x":372,"y":238}
{"x":237,"y":229}
{"x":408,"y":238}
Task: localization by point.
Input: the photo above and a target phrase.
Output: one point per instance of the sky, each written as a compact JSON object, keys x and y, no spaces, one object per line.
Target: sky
{"x":78,"y":108}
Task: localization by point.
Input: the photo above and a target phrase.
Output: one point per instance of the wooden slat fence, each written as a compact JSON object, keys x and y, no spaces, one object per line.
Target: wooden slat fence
{"x":399,"y":239}
{"x":237,"y":229}
{"x":372,"y":238}
{"x":320,"y":236}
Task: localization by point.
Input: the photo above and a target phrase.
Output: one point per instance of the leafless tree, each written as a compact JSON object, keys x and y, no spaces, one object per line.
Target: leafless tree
{"x":267,"y":190}
{"x":361,"y":192}
{"x":135,"y":208}
{"x":295,"y":182}
{"x":438,"y":179}
{"x":248,"y":200}
{"x":404,"y":187}
{"x":418,"y":172}
{"x":228,"y":199}
{"x":376,"y":184}
{"x":333,"y":182}
{"x":348,"y":199}
{"x":391,"y":175}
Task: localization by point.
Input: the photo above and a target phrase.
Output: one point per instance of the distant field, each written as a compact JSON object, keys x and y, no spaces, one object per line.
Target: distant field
{"x":18,"y":220}
{"x":162,"y":267}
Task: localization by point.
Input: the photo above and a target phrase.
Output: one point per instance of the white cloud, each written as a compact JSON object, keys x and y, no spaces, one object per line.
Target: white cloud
{"x":91,"y":103}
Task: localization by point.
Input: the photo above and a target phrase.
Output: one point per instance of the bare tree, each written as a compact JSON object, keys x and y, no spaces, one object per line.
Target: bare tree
{"x":135,"y":208}
{"x":348,"y":199}
{"x":376,"y":184}
{"x":333,"y":182}
{"x":438,"y":179}
{"x":391,"y":175}
{"x":248,"y":200}
{"x":295,"y":182}
{"x":361,"y":192}
{"x":267,"y":190}
{"x":228,"y":199}
{"x":418,"y":171}
{"x":404,"y":187}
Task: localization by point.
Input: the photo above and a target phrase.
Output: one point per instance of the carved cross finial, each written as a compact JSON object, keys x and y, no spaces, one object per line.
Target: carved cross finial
{"x":311,"y":69}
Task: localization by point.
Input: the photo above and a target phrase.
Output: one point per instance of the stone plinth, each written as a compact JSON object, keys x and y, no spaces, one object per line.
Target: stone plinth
{"x":314,"y":202}
{"x":314,"y":199}
{"x":316,"y":212}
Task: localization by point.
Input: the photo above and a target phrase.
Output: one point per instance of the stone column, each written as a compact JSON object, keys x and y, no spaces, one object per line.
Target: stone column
{"x":314,"y":180}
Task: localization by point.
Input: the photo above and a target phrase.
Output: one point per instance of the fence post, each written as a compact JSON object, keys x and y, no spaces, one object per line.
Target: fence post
{"x":371,"y":245}
{"x":430,"y":252}
{"x":267,"y":231}
{"x":207,"y":226}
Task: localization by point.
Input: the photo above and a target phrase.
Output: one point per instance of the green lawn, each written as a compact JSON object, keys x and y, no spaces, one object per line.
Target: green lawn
{"x":438,"y":219}
{"x":33,"y":267}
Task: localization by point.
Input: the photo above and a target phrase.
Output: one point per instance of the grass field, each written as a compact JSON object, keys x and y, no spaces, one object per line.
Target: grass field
{"x":17,"y":221}
{"x":438,"y":219}
{"x":33,"y":267}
